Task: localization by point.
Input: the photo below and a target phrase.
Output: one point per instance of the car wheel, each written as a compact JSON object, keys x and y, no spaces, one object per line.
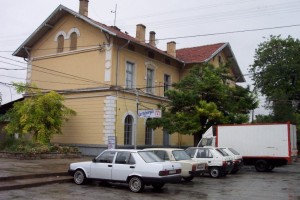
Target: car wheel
{"x":214,"y":172}
{"x":79,"y":177}
{"x":157,"y":186}
{"x":261,"y":166}
{"x":188,"y":178}
{"x":136,"y":184}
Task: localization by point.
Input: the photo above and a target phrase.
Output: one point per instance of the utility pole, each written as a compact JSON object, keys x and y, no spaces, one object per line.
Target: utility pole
{"x":137,"y":116}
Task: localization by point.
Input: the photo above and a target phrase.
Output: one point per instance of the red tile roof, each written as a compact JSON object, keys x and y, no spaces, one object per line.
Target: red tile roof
{"x":197,"y":54}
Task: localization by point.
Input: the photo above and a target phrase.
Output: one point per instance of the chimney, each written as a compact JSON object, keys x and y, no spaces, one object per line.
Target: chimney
{"x":84,"y":7}
{"x":140,"y":32}
{"x":152,"y":38}
{"x":171,"y":48}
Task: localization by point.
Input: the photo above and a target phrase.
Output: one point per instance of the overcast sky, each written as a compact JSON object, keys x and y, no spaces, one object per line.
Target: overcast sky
{"x":188,"y":22}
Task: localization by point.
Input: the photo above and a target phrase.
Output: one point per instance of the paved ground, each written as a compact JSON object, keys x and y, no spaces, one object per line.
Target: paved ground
{"x":282,"y":184}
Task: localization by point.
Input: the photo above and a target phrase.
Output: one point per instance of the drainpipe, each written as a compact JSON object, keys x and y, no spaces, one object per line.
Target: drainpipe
{"x":117,"y":89}
{"x":117,"y":69}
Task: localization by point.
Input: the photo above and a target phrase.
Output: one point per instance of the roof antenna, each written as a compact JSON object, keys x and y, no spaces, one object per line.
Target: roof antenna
{"x":115,"y":11}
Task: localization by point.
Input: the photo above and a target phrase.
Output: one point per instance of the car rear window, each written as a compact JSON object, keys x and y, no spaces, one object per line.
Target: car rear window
{"x":222,"y":152}
{"x":180,"y":155}
{"x":149,"y":156}
{"x":234,"y":151}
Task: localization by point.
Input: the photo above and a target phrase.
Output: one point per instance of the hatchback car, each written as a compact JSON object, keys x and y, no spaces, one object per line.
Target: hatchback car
{"x":237,"y":159}
{"x":219,"y":162}
{"x":190,"y":168}
{"x":135,"y":167}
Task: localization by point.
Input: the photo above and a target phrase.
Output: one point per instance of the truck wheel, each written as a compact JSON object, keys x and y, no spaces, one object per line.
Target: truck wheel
{"x":215,"y":172}
{"x":261,"y":166}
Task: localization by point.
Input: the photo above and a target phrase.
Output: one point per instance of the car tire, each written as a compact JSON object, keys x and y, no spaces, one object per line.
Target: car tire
{"x":261,"y":166}
{"x":79,"y":177}
{"x":188,"y":178}
{"x":136,"y":184}
{"x":270,"y":168}
{"x":215,"y":172}
{"x":158,"y":186}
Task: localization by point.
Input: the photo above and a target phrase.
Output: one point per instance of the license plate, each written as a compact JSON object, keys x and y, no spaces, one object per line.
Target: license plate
{"x":201,"y":167}
{"x":172,"y":172}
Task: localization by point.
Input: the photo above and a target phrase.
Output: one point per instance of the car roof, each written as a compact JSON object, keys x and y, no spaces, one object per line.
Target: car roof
{"x":128,"y":150}
{"x":170,"y":149}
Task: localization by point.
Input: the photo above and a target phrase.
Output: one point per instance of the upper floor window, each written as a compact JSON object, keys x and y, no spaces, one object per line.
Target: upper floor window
{"x":60,"y":43}
{"x":220,"y":60}
{"x":150,"y":80}
{"x":73,"y":37}
{"x":129,"y":75}
{"x":167,"y":83}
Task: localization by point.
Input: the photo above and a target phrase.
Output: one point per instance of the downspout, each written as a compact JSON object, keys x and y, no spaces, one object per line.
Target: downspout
{"x":117,"y":89}
{"x":117,"y":69}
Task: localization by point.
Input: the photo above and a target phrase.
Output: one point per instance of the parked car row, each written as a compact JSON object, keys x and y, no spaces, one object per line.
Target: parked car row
{"x":155,"y":166}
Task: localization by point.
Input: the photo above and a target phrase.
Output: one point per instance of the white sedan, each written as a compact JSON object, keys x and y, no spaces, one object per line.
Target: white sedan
{"x":135,"y":167}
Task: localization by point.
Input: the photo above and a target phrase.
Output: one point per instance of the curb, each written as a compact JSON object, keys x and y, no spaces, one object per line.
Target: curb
{"x":26,"y":181}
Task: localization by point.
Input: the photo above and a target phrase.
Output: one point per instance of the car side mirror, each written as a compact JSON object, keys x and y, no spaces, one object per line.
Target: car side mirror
{"x":94,"y":160}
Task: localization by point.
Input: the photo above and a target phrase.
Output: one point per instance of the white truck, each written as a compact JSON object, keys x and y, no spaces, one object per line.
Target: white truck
{"x":263,"y":145}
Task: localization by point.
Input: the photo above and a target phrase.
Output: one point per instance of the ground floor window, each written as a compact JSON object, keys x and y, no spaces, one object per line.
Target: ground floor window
{"x":128,"y":130}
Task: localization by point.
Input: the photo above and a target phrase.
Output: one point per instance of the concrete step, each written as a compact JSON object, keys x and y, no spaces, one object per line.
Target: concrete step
{"x":25,"y":181}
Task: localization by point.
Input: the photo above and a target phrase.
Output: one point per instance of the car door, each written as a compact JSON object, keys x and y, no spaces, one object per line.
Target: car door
{"x":204,"y":155}
{"x":123,"y":166}
{"x":101,"y":167}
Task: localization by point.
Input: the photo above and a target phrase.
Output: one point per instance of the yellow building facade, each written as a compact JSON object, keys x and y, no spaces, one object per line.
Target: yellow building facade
{"x":106,"y":76}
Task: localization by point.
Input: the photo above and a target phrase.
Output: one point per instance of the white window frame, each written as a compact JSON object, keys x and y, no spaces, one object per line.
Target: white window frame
{"x":150,"y":88}
{"x":132,"y":86}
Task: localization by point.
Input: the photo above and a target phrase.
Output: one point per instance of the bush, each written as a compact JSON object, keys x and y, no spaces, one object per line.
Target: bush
{"x":26,"y":146}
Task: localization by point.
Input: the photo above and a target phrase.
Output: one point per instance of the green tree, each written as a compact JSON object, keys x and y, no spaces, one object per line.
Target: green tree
{"x":276,"y":74}
{"x":40,"y":114}
{"x":202,"y":99}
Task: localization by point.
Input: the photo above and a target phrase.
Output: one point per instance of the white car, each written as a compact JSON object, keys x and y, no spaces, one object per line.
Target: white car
{"x":237,"y":159}
{"x":219,"y":163}
{"x":190,"y":168}
{"x":135,"y":167}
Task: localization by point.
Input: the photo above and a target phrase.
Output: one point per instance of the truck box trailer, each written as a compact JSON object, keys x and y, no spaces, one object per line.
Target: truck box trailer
{"x":263,"y":145}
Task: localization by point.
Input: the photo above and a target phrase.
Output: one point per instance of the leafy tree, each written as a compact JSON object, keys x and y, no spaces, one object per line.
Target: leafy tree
{"x":39,"y":114}
{"x":202,"y":99}
{"x":276,"y":74}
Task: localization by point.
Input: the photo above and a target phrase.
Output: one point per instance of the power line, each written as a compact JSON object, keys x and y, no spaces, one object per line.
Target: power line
{"x":57,"y":73}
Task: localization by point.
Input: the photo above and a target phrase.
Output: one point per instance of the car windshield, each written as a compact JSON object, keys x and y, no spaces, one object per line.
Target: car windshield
{"x":180,"y":155}
{"x":222,"y":152}
{"x":149,"y":156}
{"x":234,"y":151}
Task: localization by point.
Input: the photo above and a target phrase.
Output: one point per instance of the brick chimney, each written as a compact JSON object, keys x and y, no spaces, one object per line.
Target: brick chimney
{"x":140,"y":32}
{"x":152,"y":38}
{"x":171,"y":48}
{"x":84,"y":7}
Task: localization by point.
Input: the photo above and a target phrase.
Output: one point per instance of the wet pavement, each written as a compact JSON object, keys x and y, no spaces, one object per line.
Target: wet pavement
{"x":283,"y":183}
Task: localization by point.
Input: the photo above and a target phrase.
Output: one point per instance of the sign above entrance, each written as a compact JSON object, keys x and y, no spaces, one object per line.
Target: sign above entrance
{"x":149,"y":113}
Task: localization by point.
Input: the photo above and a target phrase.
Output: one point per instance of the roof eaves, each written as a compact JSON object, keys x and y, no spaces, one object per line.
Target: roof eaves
{"x":59,"y":8}
{"x":216,"y":52}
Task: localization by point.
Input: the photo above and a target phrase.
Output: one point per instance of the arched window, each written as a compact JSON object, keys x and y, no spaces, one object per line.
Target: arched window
{"x":73,"y":37}
{"x":148,"y":135}
{"x":128,"y":130}
{"x":60,"y":43}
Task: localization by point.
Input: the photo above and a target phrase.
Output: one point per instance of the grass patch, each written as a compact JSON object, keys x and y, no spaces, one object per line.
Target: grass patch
{"x":26,"y":146}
